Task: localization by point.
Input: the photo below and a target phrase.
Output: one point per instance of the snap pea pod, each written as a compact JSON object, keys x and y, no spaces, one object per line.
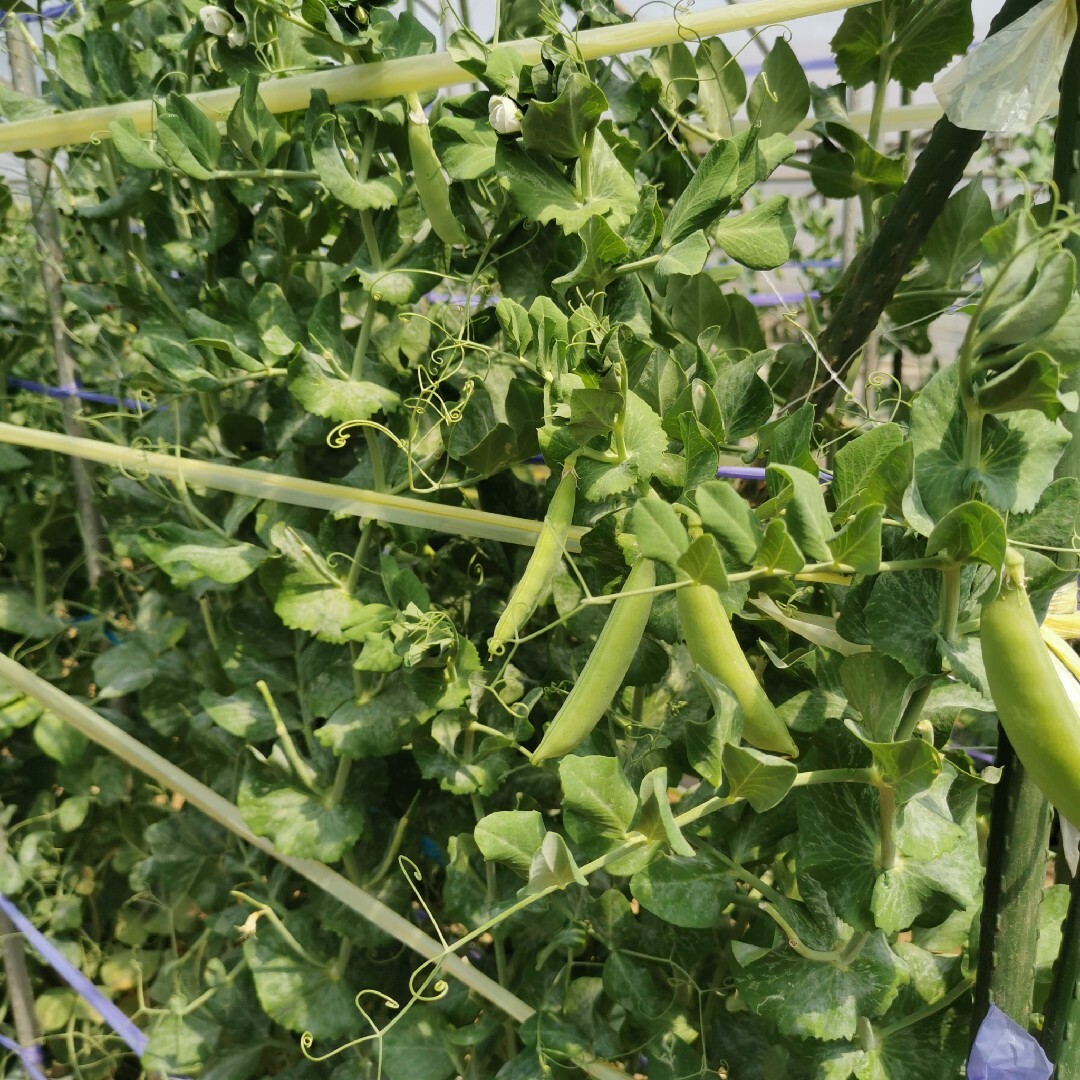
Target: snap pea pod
{"x":543,"y":563}
{"x":431,"y":185}
{"x":715,"y":649}
{"x":1031,"y":703}
{"x":605,"y":669}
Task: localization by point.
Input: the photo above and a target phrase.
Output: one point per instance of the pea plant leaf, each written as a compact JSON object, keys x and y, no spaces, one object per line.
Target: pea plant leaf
{"x":762,"y":779}
{"x":760,"y":238}
{"x":296,"y":820}
{"x":189,"y":137}
{"x":377,"y":727}
{"x":553,"y":867}
{"x":1016,"y":462}
{"x":596,"y":792}
{"x":646,"y":443}
{"x":660,"y":534}
{"x":873,"y":468}
{"x":807,"y":519}
{"x":917,"y":40}
{"x":295,"y":988}
{"x":689,"y":892}
{"x":560,"y":127}
{"x":827,"y":1000}
{"x":708,"y":195}
{"x":858,"y":542}
{"x":252,"y":128}
{"x":780,"y":95}
{"x":190,"y":556}
{"x":512,"y":837}
{"x":971,"y":532}
{"x":721,"y":86}
{"x":728,"y":517}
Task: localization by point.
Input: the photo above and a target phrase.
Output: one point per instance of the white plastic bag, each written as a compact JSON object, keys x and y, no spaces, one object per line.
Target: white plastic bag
{"x":1009,"y":82}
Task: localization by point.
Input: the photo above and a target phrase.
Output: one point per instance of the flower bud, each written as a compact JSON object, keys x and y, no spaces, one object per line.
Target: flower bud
{"x":504,"y":115}
{"x":216,"y":20}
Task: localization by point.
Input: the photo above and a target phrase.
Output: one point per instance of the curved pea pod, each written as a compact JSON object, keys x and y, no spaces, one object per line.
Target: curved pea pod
{"x":715,"y":649}
{"x":431,"y":184}
{"x":1032,"y":705}
{"x":605,"y":669}
{"x":542,"y":565}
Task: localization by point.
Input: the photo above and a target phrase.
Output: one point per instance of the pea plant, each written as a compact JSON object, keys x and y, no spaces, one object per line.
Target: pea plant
{"x":494,"y":649}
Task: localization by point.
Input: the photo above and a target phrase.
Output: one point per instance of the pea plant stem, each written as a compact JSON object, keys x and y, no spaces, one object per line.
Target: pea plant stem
{"x":887,"y":800}
{"x":958,"y":991}
{"x":834,"y":776}
{"x":820,"y":956}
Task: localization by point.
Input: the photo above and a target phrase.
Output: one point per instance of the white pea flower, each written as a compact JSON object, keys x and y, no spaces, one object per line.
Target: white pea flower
{"x":216,"y":20}
{"x":504,"y":115}
{"x":237,"y":36}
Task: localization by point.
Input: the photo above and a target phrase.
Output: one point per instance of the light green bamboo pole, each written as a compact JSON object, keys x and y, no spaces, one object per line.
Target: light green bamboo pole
{"x":395,"y":509}
{"x":413,"y":74}
{"x":128,"y":749}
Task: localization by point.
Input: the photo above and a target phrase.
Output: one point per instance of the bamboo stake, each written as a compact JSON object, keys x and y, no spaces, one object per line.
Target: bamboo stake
{"x":412,"y":74}
{"x":396,"y":509}
{"x":38,"y":170}
{"x":219,"y":809}
{"x":1016,"y":858}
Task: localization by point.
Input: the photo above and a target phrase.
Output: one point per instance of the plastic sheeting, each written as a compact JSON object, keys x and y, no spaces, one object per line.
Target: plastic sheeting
{"x":1009,"y":82}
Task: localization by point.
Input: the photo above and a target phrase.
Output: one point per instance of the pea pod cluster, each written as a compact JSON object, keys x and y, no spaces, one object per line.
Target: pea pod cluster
{"x":542,"y":566}
{"x":1031,"y":703}
{"x":714,"y":648}
{"x":606,"y":667}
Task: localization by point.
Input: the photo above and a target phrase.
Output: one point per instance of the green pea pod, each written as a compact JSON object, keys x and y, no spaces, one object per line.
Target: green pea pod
{"x":543,"y":563}
{"x":1032,"y":705}
{"x":431,"y":185}
{"x":605,"y":669}
{"x":715,"y":649}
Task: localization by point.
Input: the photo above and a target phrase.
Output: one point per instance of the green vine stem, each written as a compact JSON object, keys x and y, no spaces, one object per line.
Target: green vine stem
{"x":302,"y":770}
{"x":887,"y":800}
{"x":819,"y":956}
{"x":1015,"y":876}
{"x":939,"y":169}
{"x":958,"y":991}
